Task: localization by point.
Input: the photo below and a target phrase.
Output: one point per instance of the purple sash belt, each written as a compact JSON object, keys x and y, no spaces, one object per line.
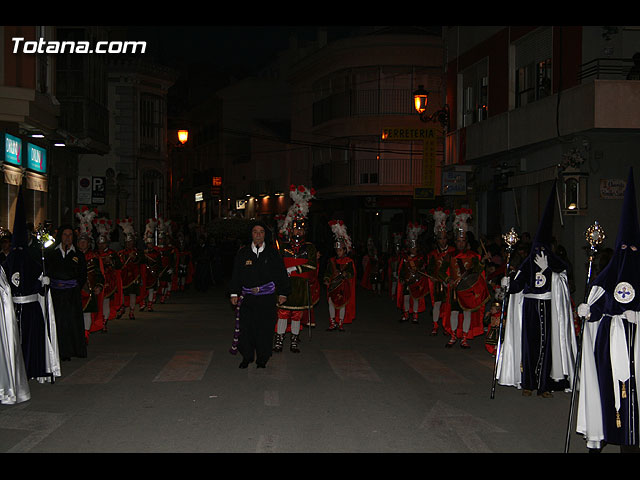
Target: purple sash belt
{"x":63,"y":284}
{"x":266,"y":289}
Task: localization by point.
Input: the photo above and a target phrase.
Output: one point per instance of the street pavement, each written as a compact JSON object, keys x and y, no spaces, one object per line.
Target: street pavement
{"x":166,"y":383}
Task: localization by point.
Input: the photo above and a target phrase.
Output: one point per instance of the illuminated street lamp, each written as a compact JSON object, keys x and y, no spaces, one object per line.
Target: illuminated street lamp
{"x":420,"y":100}
{"x":183,"y":136}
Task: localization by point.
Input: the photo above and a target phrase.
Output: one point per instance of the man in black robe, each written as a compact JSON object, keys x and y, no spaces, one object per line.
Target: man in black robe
{"x":258,"y":284}
{"x":67,"y":270}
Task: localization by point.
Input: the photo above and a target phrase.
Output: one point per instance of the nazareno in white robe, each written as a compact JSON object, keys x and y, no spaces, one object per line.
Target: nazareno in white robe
{"x":14,"y":384}
{"x":563,"y":336}
{"x":589,"y":420}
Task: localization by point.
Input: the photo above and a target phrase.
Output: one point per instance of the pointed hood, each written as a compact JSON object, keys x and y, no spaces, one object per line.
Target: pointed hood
{"x":628,"y":231}
{"x":20,"y":236}
{"x":543,"y":242}
{"x":544,"y":234}
{"x":621,"y":276}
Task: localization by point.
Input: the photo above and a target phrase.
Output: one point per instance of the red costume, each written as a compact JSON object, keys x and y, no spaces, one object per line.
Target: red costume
{"x":340,"y":279}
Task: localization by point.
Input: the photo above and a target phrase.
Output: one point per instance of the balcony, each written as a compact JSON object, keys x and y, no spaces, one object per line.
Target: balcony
{"x":85,"y":119}
{"x":354,"y":103}
{"x":597,"y":104}
{"x":368,"y":177}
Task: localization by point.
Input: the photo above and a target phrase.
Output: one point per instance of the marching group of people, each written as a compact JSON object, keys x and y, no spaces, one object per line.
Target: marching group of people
{"x":59,"y":290}
{"x":514,"y":292}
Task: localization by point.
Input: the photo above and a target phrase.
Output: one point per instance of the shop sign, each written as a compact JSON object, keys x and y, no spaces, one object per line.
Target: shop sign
{"x":84,"y":190}
{"x":612,"y":188}
{"x":454,"y":183}
{"x":12,"y":150}
{"x":36,"y":158}
{"x":98,"y":190}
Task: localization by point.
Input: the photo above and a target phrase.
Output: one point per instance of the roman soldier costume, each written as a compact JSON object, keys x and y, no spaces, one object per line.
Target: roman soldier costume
{"x":413,"y":286}
{"x":94,"y":284}
{"x":184,"y":265}
{"x":439,"y":256}
{"x":339,"y":278}
{"x":300,"y":260}
{"x":467,"y":285}
{"x":132,"y":261}
{"x":167,"y":258}
{"x":152,"y":265}
{"x":111,"y":295}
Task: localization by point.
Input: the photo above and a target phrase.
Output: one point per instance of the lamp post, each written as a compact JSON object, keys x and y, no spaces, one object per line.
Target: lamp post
{"x":421,"y":99}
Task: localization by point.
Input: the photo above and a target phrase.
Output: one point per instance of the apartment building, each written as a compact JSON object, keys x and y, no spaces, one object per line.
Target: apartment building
{"x":350,"y":98}
{"x":534,"y":105}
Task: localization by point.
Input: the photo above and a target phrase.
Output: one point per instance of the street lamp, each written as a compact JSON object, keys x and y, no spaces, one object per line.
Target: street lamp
{"x":183,"y":136}
{"x":420,"y":100}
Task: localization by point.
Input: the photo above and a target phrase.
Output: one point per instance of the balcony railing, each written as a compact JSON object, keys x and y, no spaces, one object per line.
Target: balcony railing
{"x":354,"y":103}
{"x":363,"y":172}
{"x":605,"y":68}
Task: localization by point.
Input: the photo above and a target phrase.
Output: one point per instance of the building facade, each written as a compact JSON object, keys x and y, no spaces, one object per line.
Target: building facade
{"x":357,"y":137}
{"x":134,"y":173}
{"x":29,"y":115}
{"x":531,"y":106}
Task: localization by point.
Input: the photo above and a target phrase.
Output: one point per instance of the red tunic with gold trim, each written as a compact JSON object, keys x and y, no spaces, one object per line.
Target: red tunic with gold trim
{"x":131,"y":274}
{"x":109,"y":262}
{"x":412,"y":281}
{"x":151,"y":269}
{"x":302,"y":260}
{"x":437,"y":285}
{"x":91,"y":302}
{"x":465,"y":269}
{"x":183,"y":268}
{"x":340,"y":278}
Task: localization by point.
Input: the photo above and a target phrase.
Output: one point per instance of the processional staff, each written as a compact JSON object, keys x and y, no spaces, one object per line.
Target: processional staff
{"x":510,"y":238}
{"x":595,"y":236}
{"x":46,"y":240}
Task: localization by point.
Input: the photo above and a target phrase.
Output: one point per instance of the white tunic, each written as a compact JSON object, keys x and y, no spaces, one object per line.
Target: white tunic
{"x":14,"y":384}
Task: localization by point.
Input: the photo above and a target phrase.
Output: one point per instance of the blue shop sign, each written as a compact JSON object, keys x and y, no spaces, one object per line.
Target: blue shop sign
{"x":36,"y":158}
{"x":12,"y":150}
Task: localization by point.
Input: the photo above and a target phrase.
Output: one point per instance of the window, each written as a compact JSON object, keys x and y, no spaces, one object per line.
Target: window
{"x":475,"y":99}
{"x":533,"y":67}
{"x":151,"y":116}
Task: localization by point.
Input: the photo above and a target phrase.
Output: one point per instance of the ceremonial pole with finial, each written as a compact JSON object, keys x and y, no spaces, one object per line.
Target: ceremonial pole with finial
{"x":510,"y":239}
{"x":595,"y":236}
{"x":46,"y":240}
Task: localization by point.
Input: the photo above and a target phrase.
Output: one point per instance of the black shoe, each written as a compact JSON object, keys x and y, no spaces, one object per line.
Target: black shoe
{"x":243,"y":364}
{"x":261,"y":365}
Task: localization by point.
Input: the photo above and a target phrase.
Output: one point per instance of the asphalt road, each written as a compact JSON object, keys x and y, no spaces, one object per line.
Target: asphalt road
{"x":166,"y":383}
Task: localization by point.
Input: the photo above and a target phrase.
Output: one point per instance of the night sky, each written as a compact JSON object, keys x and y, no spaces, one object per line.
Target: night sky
{"x":227,"y":47}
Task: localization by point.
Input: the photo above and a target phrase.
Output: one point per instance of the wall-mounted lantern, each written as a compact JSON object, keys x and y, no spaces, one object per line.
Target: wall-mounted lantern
{"x":420,"y":99}
{"x":574,"y":191}
{"x":183,"y":136}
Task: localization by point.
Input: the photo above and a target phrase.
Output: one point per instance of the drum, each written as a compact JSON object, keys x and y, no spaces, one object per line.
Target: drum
{"x":419,"y":288}
{"x":340,"y":294}
{"x":472,"y":292}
